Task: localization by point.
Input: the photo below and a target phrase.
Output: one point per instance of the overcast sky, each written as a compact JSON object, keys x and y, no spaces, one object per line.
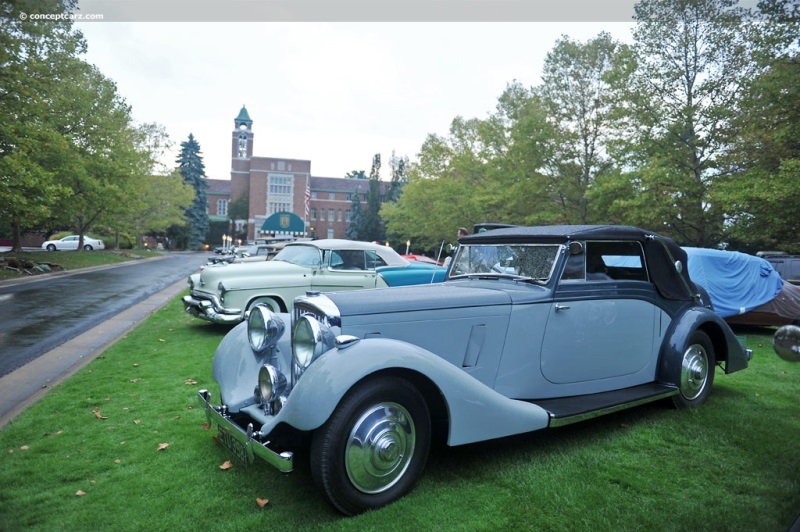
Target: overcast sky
{"x":334,"y":93}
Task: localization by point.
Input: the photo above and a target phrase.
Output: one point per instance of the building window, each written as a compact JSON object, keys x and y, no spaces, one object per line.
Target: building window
{"x":330,"y":232}
{"x":313,"y":194}
{"x":290,"y":167}
{"x":339,"y":216}
{"x":222,"y":207}
{"x":313,"y":213}
{"x":242,"y":149}
{"x":331,"y":196}
{"x":281,"y":165}
{"x":330,"y":215}
{"x":347,"y":216}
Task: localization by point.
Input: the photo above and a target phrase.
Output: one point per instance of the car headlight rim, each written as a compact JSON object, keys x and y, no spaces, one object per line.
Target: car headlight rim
{"x":264,"y":328}
{"x":310,"y":339}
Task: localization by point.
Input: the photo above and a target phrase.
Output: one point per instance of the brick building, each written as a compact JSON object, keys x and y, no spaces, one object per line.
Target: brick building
{"x":283,"y":197}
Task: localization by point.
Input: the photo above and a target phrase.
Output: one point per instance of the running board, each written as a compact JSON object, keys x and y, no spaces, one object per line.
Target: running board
{"x":568,"y":410}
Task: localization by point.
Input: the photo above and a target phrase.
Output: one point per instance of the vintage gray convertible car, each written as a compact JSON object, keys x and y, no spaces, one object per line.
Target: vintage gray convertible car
{"x":534,"y":328}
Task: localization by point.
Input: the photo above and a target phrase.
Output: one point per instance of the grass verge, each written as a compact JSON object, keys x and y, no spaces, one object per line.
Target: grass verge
{"x":86,"y":457}
{"x":62,"y":260}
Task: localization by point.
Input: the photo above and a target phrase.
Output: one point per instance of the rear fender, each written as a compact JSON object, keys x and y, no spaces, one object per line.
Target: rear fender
{"x":475,"y":411}
{"x":727,"y":348}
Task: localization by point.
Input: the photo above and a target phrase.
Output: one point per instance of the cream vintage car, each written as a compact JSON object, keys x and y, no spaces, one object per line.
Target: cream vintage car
{"x":223,"y":293}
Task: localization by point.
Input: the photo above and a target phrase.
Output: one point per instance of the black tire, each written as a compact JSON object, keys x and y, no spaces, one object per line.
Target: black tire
{"x":697,"y":372}
{"x":87,"y":247}
{"x":373,"y":448}
{"x":51,"y":247}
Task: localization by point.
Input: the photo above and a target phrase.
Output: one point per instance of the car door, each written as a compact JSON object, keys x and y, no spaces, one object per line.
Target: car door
{"x":68,"y":243}
{"x":347,"y":269}
{"x":602,"y":323}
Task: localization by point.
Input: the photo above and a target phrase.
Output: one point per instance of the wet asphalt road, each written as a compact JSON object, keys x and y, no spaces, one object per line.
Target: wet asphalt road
{"x":38,"y":316}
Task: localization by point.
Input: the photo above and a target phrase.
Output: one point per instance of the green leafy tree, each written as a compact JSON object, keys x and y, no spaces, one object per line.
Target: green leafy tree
{"x":578,"y":94}
{"x":34,"y":56}
{"x":190,"y":164}
{"x":763,"y":166}
{"x":693,"y":58}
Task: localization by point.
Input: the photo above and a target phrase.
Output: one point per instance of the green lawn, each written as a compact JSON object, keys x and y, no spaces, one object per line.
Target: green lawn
{"x":86,"y":457}
{"x":64,"y":260}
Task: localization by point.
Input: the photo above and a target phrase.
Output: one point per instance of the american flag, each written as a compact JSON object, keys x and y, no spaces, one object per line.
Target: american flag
{"x":308,"y":194}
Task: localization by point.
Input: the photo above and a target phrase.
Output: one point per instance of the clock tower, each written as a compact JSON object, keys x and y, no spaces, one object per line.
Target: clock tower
{"x":242,"y":141}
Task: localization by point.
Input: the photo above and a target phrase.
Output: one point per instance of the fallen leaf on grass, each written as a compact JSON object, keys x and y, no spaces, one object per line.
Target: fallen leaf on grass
{"x":136,"y":365}
{"x":262,"y":502}
{"x":24,"y":448}
{"x":137,"y":421}
{"x":135,"y":380}
{"x":117,"y":461}
{"x":162,"y":446}
{"x":161,"y":340}
{"x":80,"y":493}
{"x":206,"y":426}
{"x":98,"y":414}
{"x":227,"y":464}
{"x":190,"y":382}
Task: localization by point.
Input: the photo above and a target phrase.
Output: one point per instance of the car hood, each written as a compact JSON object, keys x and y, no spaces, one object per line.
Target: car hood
{"x":253,"y":274}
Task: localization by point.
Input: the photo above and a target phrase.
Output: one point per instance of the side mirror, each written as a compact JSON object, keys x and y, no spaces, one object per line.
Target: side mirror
{"x":678,"y":266}
{"x":786,"y":343}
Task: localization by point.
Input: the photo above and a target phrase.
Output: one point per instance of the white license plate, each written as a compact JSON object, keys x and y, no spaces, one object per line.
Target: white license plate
{"x":232,"y":444}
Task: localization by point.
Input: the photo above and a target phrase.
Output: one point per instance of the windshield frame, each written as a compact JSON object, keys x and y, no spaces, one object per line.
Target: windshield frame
{"x":496,"y":270}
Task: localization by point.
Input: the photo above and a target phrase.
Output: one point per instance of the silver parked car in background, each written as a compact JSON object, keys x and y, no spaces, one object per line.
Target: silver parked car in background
{"x":535,"y":327}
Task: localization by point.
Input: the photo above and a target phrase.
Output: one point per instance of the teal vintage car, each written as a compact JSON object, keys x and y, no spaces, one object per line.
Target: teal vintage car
{"x":224,"y":292}
{"x":535,"y":327}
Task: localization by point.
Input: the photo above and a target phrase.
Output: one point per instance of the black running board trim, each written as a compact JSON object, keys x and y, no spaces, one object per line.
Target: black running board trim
{"x":568,"y":410}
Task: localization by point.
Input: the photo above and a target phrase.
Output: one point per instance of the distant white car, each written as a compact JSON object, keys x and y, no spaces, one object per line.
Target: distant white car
{"x":71,"y":243}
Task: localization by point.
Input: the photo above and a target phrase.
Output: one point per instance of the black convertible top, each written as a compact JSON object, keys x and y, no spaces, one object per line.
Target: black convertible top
{"x":661,"y":252}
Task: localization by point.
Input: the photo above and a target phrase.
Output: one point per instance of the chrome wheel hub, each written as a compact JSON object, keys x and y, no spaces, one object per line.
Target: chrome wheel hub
{"x":379,"y":448}
{"x":694,"y":371}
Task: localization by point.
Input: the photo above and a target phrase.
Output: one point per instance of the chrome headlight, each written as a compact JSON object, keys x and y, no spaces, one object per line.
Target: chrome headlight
{"x":271,"y":384}
{"x":264,"y":328}
{"x":221,"y":290}
{"x":310,"y":339}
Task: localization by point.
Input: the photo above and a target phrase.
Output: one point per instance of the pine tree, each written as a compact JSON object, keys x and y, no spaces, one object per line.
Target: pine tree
{"x":371,"y":227}
{"x":356,"y":216}
{"x":190,"y":164}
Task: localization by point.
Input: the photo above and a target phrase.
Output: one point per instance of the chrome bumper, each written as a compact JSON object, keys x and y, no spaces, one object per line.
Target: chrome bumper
{"x":206,"y":310}
{"x":244,"y":439}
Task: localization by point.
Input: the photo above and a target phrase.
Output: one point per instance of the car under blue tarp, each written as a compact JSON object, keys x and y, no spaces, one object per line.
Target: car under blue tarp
{"x":736,"y":282}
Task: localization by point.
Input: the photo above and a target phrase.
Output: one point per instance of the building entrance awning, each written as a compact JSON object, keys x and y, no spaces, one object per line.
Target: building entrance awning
{"x":282,"y":223}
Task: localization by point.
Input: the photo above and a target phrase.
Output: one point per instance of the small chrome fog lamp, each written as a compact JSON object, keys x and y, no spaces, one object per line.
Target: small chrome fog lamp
{"x":264,"y":328}
{"x":271,"y":384}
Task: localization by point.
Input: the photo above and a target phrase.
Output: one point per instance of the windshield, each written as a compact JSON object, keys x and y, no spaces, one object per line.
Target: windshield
{"x":300,"y":255}
{"x":529,"y":261}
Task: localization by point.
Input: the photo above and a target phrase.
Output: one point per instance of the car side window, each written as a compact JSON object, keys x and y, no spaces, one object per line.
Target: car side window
{"x":348,"y":259}
{"x":575,"y":268}
{"x":622,"y":261}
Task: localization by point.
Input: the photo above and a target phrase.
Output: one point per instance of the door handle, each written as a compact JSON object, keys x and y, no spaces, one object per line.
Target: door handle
{"x":561,"y":307}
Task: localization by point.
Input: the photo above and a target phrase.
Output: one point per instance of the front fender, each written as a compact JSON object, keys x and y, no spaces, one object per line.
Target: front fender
{"x":476,"y":412}
{"x":726,"y":346}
